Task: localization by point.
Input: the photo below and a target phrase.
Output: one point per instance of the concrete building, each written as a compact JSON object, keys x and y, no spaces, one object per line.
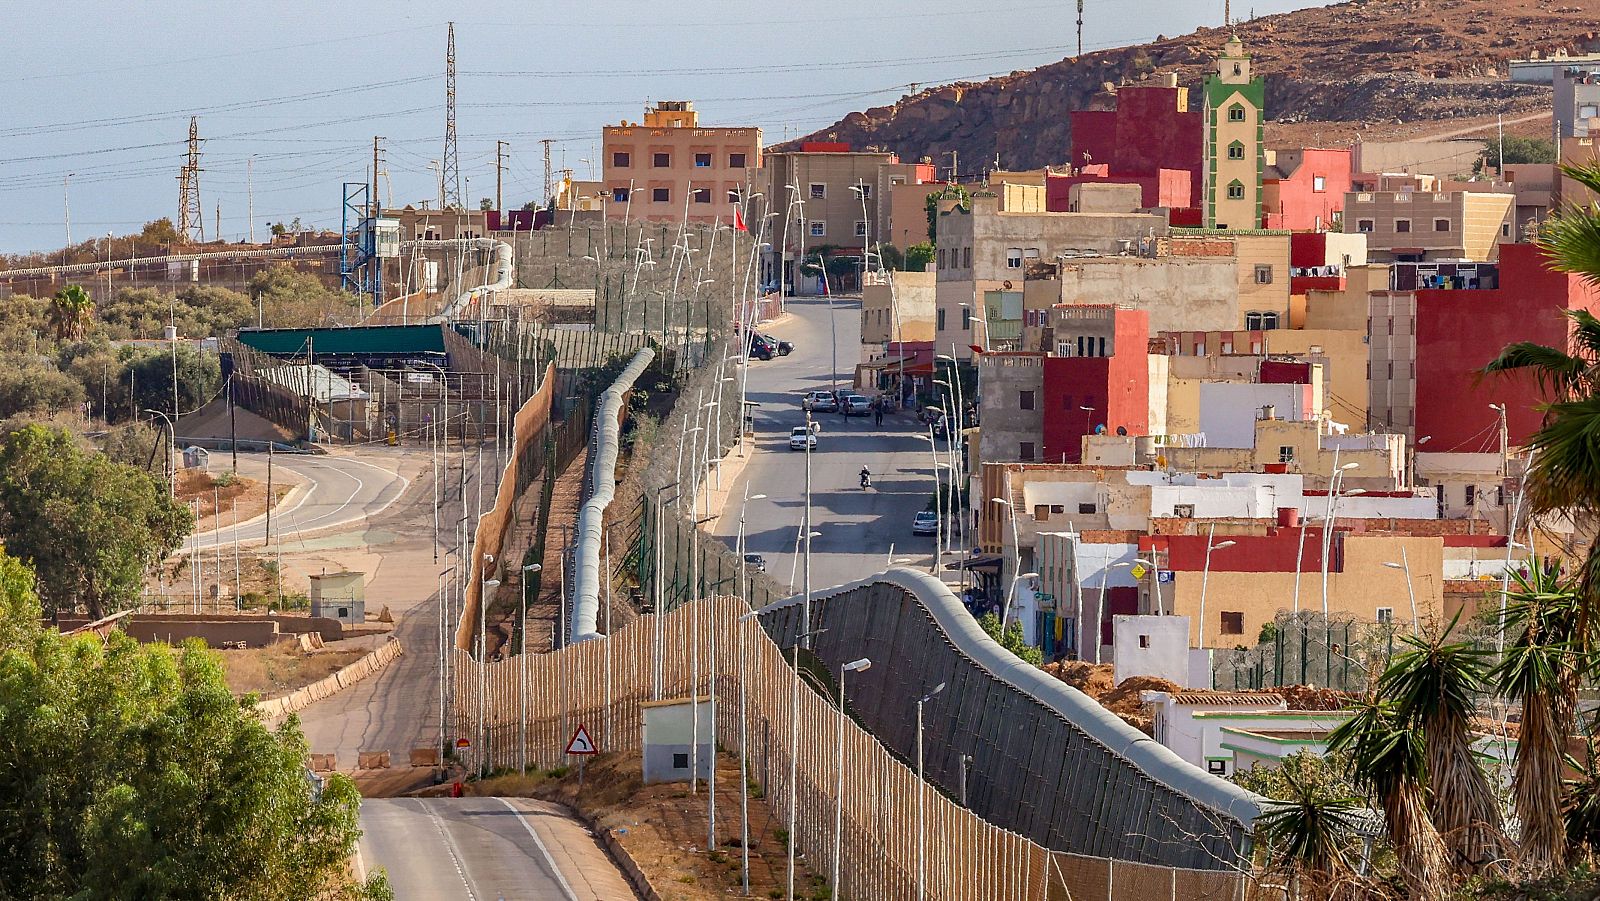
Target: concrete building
{"x":1341,"y":353}
{"x":898,"y":310}
{"x":1576,"y":101}
{"x":1320,"y":261}
{"x":1415,"y":226}
{"x":1438,"y":158}
{"x":908,"y":214}
{"x":668,"y":168}
{"x":1303,"y":189}
{"x":1235,"y":152}
{"x":985,"y":252}
{"x":1534,"y":184}
{"x":821,"y":190}
{"x":1151,"y":138}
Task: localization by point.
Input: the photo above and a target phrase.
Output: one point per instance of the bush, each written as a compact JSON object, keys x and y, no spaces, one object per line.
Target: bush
{"x":918,"y":256}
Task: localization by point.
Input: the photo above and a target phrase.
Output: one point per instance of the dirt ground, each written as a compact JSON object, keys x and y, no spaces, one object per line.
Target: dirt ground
{"x":1094,"y":680}
{"x":282,"y":668}
{"x":246,"y":497}
{"x":663,"y":828}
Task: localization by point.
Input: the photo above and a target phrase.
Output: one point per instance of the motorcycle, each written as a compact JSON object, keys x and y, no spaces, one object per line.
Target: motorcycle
{"x":866,"y":480}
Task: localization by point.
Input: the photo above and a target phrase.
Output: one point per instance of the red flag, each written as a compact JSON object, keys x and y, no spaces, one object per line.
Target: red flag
{"x":738,"y":220}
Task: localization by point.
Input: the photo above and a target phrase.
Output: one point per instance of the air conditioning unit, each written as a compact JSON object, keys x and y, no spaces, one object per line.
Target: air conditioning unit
{"x":1183,"y":511}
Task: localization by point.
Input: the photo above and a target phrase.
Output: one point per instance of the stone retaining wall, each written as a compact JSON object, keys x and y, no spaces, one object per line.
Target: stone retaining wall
{"x":273,"y":711}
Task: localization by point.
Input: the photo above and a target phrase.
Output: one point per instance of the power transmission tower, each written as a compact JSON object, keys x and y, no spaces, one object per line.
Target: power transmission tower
{"x":549,"y":173}
{"x":1080,"y":27}
{"x":450,"y":174}
{"x":191,"y":221}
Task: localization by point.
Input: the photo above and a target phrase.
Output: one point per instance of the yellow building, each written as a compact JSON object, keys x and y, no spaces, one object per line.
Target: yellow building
{"x":1235,"y":156}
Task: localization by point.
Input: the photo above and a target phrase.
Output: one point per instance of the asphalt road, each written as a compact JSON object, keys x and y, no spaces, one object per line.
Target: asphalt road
{"x":333,"y":491}
{"x":485,"y":849}
{"x":858,"y":528}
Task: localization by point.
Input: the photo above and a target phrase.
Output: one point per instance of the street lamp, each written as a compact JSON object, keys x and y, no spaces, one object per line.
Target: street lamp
{"x":1411,"y":592}
{"x":853,"y":666}
{"x":744,"y":578}
{"x":522,"y":665}
{"x":922,"y":793}
{"x":171,"y":467}
{"x":1016,"y":545}
{"x":1205,"y":577}
{"x":483,"y":668}
{"x":938,"y":500}
{"x":1334,"y":481}
{"x":443,"y":631}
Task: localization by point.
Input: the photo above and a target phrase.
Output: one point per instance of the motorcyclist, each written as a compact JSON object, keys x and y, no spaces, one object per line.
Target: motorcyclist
{"x":866,"y":477}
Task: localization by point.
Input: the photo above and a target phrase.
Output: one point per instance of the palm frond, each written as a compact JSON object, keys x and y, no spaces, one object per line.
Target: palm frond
{"x":1559,"y":373}
{"x":1585,"y":334}
{"x":1565,"y":473}
{"x":1586,"y":174}
{"x":1571,"y":237}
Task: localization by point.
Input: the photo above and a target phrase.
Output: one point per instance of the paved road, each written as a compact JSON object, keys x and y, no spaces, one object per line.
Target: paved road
{"x":486,"y":849}
{"x":333,"y":491}
{"x":858,"y":527}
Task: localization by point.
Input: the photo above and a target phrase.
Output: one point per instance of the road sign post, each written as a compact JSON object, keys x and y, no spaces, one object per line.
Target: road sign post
{"x":583,"y":747}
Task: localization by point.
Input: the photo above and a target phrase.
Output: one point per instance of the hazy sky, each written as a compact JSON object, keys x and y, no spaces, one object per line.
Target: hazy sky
{"x":103,"y":89}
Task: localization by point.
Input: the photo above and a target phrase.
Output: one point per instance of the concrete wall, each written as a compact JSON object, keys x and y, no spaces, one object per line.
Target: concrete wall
{"x":1440,"y":158}
{"x":1179,"y":293}
{"x":1266,"y":256}
{"x":1229,"y":411}
{"x":1005,"y":425}
{"x":1156,"y":646}
{"x":669,"y":739}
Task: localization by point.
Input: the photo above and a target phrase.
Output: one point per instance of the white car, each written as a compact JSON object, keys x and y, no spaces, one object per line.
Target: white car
{"x":820,"y":401}
{"x":801,"y":437}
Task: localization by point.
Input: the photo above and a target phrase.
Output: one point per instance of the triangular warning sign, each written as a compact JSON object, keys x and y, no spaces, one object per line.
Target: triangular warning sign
{"x":581,"y":743}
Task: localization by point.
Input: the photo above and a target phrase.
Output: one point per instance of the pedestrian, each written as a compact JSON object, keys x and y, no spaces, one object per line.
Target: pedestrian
{"x":877,"y":412}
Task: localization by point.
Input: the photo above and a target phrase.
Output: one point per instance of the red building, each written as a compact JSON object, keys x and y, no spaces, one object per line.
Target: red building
{"x":1459,"y":331}
{"x":1310,"y":266}
{"x":1304,"y":190}
{"x":1151,"y":129}
{"x":1167,"y":188}
{"x":1103,"y":364}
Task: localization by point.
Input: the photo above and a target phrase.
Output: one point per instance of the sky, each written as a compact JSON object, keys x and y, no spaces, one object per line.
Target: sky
{"x":99,"y":92}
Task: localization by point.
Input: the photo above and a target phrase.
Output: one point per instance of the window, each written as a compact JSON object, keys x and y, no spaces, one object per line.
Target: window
{"x":941,"y":259}
{"x":1235,"y":191}
{"x":1183,"y":511}
{"x":735,"y":195}
{"x":1402,"y":226}
{"x":1217,"y":767}
{"x":1472,"y":494}
{"x":621,"y":160}
{"x":966,"y":318}
{"x":1013,"y":258}
{"x":1257,"y":321}
{"x":1025,"y":400}
{"x":680,"y":761}
{"x":660,"y":195}
{"x":939,"y":315}
{"x":702,"y":161}
{"x":1227,"y":348}
{"x":661,"y":160}
{"x":1236,"y":113}
{"x":1505,"y":230}
{"x":1041,"y":512}
{"x":1236,"y":151}
{"x":1363,"y":225}
{"x":1232,"y":622}
{"x":966,"y":258}
{"x":819,"y":228}
{"x":701,"y":195}
{"x":1263,"y":274}
{"x":619,"y":195}
{"x":1087,"y":509}
{"x":818,"y":191}
{"x":866,"y":191}
{"x":1319,"y":183}
{"x":1500,"y":495}
{"x":1441,"y":225}
{"x":1385,"y":616}
{"x":1025,"y":451}
{"x":1144,"y":641}
{"x":1285,"y":453}
{"x":861,"y":228}
{"x":736,"y":161}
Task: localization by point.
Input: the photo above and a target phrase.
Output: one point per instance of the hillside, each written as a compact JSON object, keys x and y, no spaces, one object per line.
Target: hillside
{"x":1368,"y":66}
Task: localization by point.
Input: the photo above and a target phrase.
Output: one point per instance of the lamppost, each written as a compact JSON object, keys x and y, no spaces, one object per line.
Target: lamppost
{"x":443,"y":631}
{"x":522,"y":665}
{"x":1334,"y":482}
{"x":744,"y":756}
{"x":982,"y":320}
{"x":1411,"y":592}
{"x":853,"y":666}
{"x":444,"y":383}
{"x":922,"y":793}
{"x":1205,"y":578}
{"x":483,"y":668}
{"x":171,"y":467}
{"x":938,"y":501}
{"x":1016,"y":545}
{"x":744,"y":577}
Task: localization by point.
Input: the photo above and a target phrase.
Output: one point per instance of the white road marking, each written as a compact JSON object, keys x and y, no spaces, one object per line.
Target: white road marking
{"x":450,"y":846}
{"x":554,"y":870}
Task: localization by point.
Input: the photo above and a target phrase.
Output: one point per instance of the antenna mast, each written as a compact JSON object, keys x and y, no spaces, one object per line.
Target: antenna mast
{"x":1080,"y":27}
{"x":450,"y":174}
{"x":191,"y":221}
{"x":549,"y":173}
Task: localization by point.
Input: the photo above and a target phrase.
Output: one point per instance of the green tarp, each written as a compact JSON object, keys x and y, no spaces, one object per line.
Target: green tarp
{"x":369,"y":339}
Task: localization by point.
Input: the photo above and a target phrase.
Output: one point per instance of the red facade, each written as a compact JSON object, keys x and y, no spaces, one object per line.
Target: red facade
{"x":1145,"y":134}
{"x":1309,"y":196}
{"x":1275,"y":552}
{"x":1116,"y":387}
{"x":1458,"y":332}
{"x":1168,"y":188}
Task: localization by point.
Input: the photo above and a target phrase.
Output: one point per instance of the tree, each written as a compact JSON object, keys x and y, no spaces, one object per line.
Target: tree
{"x":131,"y":771}
{"x":918,"y":256}
{"x":1518,"y":150}
{"x":30,"y":386}
{"x":199,"y":377}
{"x":71,"y":311}
{"x":89,"y":527}
{"x":1434,"y":687}
{"x":1012,"y":639}
{"x":485,"y":203}
{"x":891,"y":258}
{"x":960,"y":195}
{"x":161,"y":231}
{"x":1387,"y":758}
{"x":1545,"y":658}
{"x":290,"y":298}
{"x":1308,"y":831}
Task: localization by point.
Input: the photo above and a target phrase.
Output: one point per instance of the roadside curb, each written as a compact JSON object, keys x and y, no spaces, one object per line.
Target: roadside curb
{"x":619,"y":855}
{"x":275,"y":709}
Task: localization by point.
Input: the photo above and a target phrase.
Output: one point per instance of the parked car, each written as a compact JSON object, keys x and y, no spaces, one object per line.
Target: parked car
{"x":800,"y":437}
{"x":783,"y":347}
{"x":857,"y":405}
{"x":760,"y":350}
{"x":820,"y":401}
{"x":926,"y":522}
{"x":755,"y":562}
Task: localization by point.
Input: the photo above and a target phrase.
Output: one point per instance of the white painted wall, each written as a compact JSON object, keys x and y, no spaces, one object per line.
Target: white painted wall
{"x":1229,"y":410}
{"x":1155,"y":646}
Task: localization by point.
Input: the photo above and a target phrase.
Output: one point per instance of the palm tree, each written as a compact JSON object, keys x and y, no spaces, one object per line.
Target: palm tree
{"x":1434,"y":686}
{"x":1387,"y":759}
{"x":1309,"y":835}
{"x":70,"y":312}
{"x":1542,"y":667}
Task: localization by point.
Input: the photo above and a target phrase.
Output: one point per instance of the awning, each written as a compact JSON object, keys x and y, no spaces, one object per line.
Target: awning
{"x":979,"y":561}
{"x":889,"y":362}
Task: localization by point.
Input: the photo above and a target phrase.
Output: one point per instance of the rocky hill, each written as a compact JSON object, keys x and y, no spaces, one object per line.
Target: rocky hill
{"x":1352,"y":65}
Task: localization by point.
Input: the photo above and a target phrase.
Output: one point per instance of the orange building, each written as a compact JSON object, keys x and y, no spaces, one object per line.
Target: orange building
{"x":669,"y":168}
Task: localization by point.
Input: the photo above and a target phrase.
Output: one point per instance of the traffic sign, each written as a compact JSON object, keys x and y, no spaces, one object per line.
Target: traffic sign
{"x":463,"y":743}
{"x":581,"y":743}
{"x":1138,"y":570}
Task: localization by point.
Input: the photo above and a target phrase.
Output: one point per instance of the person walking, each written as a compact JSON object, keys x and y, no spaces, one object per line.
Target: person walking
{"x":877,"y":412}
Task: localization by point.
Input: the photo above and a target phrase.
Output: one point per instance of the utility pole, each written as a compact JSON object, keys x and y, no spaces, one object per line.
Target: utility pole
{"x":955,"y":165}
{"x":450,"y":172}
{"x":216,"y":233}
{"x":499,"y":169}
{"x":1080,"y":27}
{"x":1227,"y":13}
{"x":549,"y":172}
{"x":66,"y":209}
{"x":191,"y":222}
{"x":372,"y":193}
{"x":250,"y":194}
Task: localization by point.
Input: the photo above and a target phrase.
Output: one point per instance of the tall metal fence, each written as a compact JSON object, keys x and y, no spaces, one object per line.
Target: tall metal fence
{"x":894,"y":826}
{"x":1306,"y":648}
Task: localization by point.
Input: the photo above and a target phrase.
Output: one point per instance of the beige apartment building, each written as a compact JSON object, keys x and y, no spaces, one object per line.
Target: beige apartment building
{"x":1417,"y":226}
{"x":668,"y":168}
{"x":901,"y":310}
{"x":824,"y":195}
